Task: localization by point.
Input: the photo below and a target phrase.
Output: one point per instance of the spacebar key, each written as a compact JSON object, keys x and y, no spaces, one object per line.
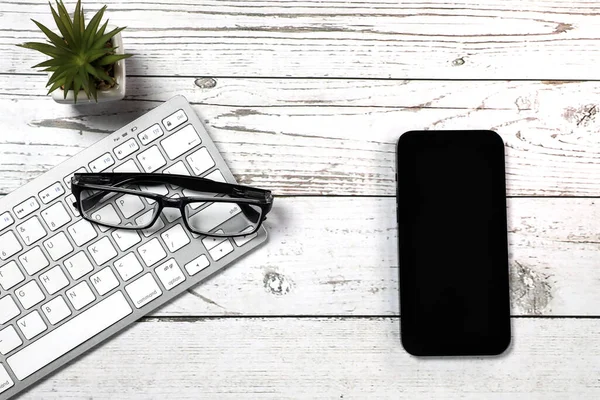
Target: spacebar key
{"x":70,"y":335}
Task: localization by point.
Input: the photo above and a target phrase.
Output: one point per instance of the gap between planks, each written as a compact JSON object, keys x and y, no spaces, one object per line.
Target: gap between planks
{"x":177,"y":319}
{"x":325,"y":78}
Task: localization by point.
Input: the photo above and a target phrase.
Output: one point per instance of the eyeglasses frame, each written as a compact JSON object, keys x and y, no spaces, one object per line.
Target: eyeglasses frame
{"x":239,"y":194}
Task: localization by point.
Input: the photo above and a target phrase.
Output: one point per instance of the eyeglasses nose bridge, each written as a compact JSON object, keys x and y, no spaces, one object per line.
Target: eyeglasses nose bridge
{"x":171,"y":202}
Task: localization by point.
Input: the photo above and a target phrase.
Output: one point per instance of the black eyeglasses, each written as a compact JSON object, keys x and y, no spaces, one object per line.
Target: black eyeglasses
{"x":136,"y":200}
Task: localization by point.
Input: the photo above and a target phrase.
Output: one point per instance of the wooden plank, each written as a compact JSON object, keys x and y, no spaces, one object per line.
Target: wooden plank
{"x":514,"y":96}
{"x":355,"y":38}
{"x":315,"y":137}
{"x":326,"y":358}
{"x":338,"y":256}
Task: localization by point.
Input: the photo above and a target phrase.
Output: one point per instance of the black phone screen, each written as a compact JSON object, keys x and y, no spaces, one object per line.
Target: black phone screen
{"x":453,"y":251}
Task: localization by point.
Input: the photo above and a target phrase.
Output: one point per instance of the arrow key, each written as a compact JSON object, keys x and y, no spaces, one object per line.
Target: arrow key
{"x":221,"y":250}
{"x":197,"y":265}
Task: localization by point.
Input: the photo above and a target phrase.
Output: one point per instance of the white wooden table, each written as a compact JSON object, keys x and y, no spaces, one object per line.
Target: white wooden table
{"x":308,"y":98}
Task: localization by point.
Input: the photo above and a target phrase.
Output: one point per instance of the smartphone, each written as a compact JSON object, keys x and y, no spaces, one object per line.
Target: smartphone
{"x":452,"y":240}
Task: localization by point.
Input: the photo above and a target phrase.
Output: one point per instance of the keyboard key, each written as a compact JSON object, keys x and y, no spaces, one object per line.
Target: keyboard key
{"x":34,"y":261}
{"x":8,"y":309}
{"x":129,"y":205}
{"x":174,"y":120}
{"x":177,"y":169}
{"x":145,"y":218}
{"x":27,"y":207}
{"x":30,"y":294}
{"x":181,"y":142}
{"x":171,"y":214}
{"x":127,"y":148}
{"x":242,"y":240}
{"x":151,"y":159}
{"x":128,"y":166}
{"x":106,"y":215}
{"x":126,"y":239}
{"x":31,"y":325}
{"x":31,"y":230}
{"x":54,"y":280}
{"x":104,"y":281}
{"x":9,"y":245}
{"x":200,"y":161}
{"x":102,"y":251}
{"x":80,"y":329}
{"x":158,"y":225}
{"x":78,"y":265}
{"x":213,"y":215}
{"x":6,"y":220}
{"x":82,"y":232}
{"x":152,"y":252}
{"x":175,"y":238}
{"x":80,"y":295}
{"x":58,"y":246}
{"x":67,"y":178}
{"x":212,"y":242}
{"x":197,"y":265}
{"x":56,"y":310}
{"x":9,"y":340}
{"x":52,"y":192}
{"x":216,"y":176}
{"x":56,"y":216}
{"x":102,"y":163}
{"x":221,"y":250}
{"x":150,"y":134}
{"x":10,"y":275}
{"x":70,"y":201}
{"x":170,"y":274}
{"x":128,"y":267}
{"x":5,"y":381}
{"x":143,"y":291}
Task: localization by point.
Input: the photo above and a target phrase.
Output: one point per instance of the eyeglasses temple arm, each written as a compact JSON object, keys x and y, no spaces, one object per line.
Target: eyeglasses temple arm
{"x":184,"y":181}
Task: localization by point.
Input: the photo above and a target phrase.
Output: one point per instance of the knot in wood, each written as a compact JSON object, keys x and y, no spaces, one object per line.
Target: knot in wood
{"x":458,"y":62}
{"x":277,"y":284}
{"x":206,"y":83}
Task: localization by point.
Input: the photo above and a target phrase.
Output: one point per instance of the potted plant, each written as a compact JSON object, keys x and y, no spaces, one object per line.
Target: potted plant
{"x":88,"y":59}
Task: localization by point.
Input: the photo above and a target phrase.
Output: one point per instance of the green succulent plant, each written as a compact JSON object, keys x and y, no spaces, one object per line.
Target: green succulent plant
{"x":82,"y":57}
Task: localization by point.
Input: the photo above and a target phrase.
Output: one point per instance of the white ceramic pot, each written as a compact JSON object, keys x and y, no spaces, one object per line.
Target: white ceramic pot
{"x":115,"y":93}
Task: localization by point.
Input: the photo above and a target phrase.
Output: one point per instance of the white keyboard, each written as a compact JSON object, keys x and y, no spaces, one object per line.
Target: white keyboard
{"x":66,"y":284}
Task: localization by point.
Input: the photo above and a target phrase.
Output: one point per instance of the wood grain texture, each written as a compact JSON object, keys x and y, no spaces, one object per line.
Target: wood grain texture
{"x":352,"y":38}
{"x":326,"y":137}
{"x":326,"y":359}
{"x":338,"y":256}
